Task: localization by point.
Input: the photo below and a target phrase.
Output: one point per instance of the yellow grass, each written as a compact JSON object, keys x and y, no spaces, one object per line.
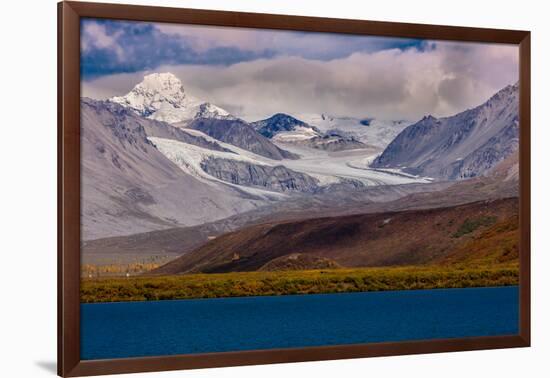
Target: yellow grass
{"x":294,"y":282}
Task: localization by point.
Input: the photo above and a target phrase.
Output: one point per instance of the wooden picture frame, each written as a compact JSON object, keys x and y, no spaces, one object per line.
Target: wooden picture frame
{"x":69,"y":15}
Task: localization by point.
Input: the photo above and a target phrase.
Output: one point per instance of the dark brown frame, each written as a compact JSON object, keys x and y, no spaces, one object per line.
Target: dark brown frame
{"x":69,"y":14}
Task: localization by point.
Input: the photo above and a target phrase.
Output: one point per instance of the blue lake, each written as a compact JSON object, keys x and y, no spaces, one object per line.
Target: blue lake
{"x":137,"y":329}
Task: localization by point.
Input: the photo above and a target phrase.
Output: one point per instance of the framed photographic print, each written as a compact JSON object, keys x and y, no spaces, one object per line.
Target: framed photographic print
{"x":239,"y":188}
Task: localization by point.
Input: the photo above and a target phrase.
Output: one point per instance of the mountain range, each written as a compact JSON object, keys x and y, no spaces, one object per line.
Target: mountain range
{"x":162,"y":97}
{"x":159,"y":158}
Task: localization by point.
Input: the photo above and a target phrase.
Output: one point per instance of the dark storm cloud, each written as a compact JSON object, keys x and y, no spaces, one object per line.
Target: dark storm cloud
{"x":110,"y":47}
{"x":301,"y":72}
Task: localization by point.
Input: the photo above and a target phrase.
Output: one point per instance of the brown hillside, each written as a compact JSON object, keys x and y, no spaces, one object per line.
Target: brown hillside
{"x":415,"y":237}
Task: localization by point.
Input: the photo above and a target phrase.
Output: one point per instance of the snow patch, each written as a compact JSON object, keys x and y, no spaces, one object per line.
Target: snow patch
{"x":378,"y":133}
{"x":299,"y":134}
{"x":188,"y":158}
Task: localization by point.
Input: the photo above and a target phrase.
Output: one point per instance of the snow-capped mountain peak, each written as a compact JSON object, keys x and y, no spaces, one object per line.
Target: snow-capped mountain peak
{"x":165,"y":84}
{"x":209,"y":110}
{"x":285,"y":127}
{"x":162,"y":97}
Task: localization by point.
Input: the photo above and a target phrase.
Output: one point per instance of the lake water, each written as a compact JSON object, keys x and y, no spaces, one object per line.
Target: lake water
{"x":137,"y":329}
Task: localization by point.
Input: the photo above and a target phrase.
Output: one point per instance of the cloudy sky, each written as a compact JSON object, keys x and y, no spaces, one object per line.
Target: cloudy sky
{"x":256,"y":73}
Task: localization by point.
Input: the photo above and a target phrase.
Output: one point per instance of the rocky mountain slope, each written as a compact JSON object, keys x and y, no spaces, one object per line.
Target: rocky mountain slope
{"x":128,"y":186}
{"x":240,"y":134}
{"x":277,"y":178}
{"x":462,"y":146}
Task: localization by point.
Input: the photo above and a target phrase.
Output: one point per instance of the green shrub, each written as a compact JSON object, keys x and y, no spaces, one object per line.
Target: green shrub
{"x":470,"y":225}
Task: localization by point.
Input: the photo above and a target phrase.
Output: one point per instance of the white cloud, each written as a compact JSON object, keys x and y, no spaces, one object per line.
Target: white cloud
{"x":391,"y":84}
